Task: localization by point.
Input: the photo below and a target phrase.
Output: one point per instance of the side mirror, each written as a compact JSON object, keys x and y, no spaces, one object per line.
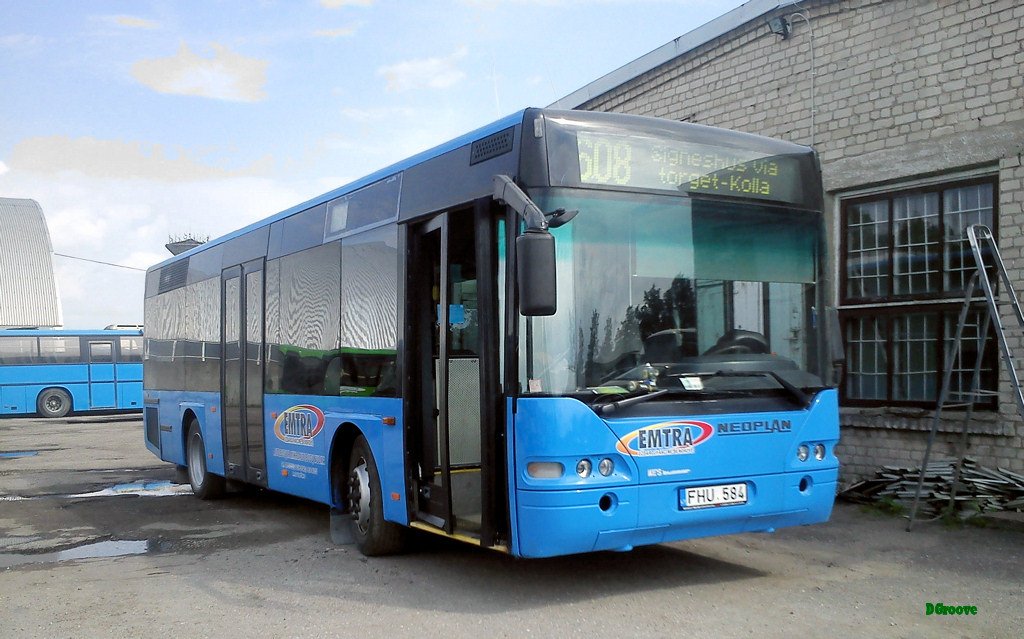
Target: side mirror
{"x":535,"y":273}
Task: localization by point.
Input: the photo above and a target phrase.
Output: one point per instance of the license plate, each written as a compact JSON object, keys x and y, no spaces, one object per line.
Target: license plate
{"x":712,"y":496}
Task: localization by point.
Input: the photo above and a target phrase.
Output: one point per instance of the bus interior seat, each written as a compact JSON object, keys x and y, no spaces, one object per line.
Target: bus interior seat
{"x":739,"y":341}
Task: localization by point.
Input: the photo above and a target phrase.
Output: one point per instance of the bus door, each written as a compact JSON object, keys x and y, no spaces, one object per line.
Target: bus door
{"x":102,"y":374}
{"x":453,"y":398}
{"x":242,"y":380}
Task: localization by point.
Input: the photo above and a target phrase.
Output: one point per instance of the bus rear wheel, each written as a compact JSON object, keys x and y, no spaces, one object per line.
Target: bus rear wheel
{"x":205,"y":485}
{"x":53,"y":402}
{"x":373,"y":534}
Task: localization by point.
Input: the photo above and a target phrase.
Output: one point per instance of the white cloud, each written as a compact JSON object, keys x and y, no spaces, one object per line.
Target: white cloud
{"x":20,"y":42}
{"x":334,"y":33}
{"x":436,"y":73}
{"x":127,"y":222}
{"x":225,"y":76}
{"x":136,"y":23}
{"x":3,"y":168}
{"x":376,"y":114}
{"x":55,"y":154}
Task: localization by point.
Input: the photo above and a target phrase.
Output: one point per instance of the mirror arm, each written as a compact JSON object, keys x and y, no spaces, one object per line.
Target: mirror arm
{"x":506,"y":191}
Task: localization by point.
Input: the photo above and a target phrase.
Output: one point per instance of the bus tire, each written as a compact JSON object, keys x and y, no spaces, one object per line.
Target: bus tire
{"x":205,"y":485}
{"x":53,"y":402}
{"x":373,"y":534}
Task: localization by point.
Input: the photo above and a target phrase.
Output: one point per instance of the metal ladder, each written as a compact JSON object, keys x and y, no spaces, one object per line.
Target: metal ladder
{"x":988,"y":262}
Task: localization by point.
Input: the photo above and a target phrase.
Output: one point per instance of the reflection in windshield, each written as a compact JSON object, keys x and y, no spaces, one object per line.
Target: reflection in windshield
{"x":651,"y":285}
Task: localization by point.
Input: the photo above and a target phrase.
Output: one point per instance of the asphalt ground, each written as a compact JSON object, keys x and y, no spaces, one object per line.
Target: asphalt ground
{"x":96,"y":541}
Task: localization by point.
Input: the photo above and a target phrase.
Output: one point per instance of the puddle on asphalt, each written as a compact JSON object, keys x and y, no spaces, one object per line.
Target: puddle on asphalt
{"x":102,"y":548}
{"x":140,"y":489}
{"x":120,"y":548}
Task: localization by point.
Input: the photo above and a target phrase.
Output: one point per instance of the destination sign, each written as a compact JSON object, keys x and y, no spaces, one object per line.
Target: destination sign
{"x":689,"y":167}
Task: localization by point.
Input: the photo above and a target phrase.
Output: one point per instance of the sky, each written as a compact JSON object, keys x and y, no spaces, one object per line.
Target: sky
{"x":139,"y":121}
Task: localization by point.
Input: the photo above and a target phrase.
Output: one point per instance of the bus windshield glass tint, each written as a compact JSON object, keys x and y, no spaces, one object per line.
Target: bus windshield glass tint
{"x":671,"y":284}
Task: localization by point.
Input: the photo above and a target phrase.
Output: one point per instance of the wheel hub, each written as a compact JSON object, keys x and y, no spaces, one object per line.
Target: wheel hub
{"x":359,"y":497}
{"x":196,"y":461}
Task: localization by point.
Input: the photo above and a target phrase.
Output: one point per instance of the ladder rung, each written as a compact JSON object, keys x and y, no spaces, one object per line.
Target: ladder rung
{"x":957,"y":405}
{"x":975,"y":397}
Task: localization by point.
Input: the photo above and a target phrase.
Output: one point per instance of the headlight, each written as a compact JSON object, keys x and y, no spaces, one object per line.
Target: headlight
{"x":545,"y":470}
{"x":802,"y":452}
{"x":819,"y":451}
{"x":583,"y":468}
{"x":606,"y":467}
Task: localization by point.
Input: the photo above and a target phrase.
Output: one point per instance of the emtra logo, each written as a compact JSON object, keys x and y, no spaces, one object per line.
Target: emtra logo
{"x":299,"y":425}
{"x":666,"y":438}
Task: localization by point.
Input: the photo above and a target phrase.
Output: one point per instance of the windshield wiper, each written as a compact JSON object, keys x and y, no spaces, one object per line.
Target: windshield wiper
{"x":801,"y":397}
{"x":611,"y":407}
{"x":635,"y":398}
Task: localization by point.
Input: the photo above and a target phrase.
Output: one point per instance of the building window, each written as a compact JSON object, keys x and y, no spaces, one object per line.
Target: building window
{"x":907,"y":264}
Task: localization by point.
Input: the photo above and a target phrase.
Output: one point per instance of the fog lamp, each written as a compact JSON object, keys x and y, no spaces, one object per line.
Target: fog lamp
{"x":802,"y":452}
{"x":583,"y":468}
{"x":819,"y":451}
{"x":606,"y":467}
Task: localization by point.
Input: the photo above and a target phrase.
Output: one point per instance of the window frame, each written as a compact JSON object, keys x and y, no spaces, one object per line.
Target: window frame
{"x":943,"y":292}
{"x":947,"y":317}
{"x":944,"y":303}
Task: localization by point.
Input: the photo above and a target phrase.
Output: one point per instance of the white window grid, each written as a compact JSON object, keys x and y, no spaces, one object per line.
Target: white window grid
{"x":865,"y":343}
{"x":868,"y":251}
{"x":916,"y":228}
{"x":961,"y":378}
{"x":962,"y":207}
{"x":915,"y":365}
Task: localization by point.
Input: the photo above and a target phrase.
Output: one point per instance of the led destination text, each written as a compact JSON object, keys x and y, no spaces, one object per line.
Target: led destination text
{"x":645,"y":163}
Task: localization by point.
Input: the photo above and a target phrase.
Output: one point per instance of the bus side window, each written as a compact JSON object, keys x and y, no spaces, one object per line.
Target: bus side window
{"x":18,"y":350}
{"x":302,"y":375}
{"x":332,"y":376}
{"x":131,"y":349}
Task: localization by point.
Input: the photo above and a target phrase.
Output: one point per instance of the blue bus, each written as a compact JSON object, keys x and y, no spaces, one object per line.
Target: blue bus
{"x":55,"y":372}
{"x":563,"y":332}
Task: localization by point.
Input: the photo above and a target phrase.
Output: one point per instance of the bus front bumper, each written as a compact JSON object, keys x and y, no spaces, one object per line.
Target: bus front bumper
{"x":561,"y":522}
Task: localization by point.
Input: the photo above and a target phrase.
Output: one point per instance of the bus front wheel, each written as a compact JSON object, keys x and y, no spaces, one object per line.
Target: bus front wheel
{"x":53,"y":402}
{"x":205,"y":485}
{"x":373,"y":534}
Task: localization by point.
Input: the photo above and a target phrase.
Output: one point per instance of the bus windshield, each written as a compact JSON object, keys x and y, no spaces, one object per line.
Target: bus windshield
{"x":692,"y":291}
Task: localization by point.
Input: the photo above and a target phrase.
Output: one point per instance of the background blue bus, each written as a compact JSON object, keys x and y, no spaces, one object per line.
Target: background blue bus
{"x":55,"y":372}
{"x":561,"y":333}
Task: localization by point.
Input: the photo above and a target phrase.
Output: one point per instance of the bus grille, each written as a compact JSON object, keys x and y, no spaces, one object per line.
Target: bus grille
{"x":173,"y":276}
{"x":492,"y":146}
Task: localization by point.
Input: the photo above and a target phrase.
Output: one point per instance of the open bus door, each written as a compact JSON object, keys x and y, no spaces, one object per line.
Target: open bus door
{"x":453,"y":403}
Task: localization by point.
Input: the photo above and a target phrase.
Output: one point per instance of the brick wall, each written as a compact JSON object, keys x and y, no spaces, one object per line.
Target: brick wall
{"x":903,"y":89}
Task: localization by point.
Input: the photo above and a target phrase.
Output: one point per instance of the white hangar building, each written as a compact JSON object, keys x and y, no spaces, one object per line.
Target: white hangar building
{"x":28,"y":287}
